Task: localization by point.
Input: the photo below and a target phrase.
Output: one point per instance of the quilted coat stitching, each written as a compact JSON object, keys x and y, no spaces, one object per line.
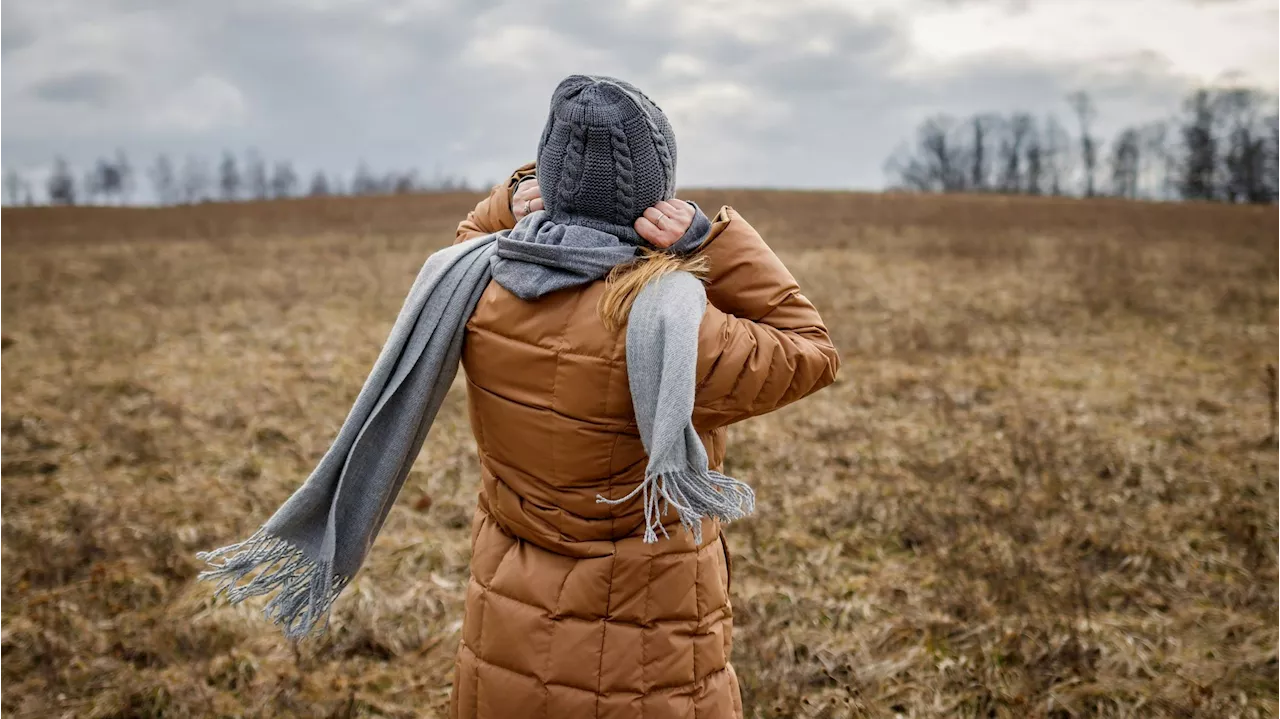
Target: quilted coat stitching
{"x":616,"y":361}
{"x":690,"y":688}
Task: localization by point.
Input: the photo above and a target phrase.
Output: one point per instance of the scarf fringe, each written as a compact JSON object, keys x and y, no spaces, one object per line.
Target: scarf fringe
{"x":694,"y":495}
{"x":307,"y":588}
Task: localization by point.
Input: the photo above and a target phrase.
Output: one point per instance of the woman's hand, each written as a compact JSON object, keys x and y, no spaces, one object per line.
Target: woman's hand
{"x":526,"y":199}
{"x":665,"y":222}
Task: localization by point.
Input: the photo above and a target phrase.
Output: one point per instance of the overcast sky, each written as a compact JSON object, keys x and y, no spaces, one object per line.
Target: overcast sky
{"x":797,"y":93}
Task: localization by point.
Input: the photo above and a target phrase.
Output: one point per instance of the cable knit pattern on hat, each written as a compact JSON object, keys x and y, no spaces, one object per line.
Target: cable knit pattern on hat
{"x":664,"y":156}
{"x":624,"y":177}
{"x":604,"y":132}
{"x":572,"y":168}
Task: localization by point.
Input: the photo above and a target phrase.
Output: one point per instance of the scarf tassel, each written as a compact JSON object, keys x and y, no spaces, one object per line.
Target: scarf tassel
{"x":307,"y":587}
{"x":694,"y":495}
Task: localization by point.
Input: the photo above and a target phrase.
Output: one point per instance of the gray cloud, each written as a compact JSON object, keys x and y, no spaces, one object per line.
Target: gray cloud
{"x":91,"y":87}
{"x":803,"y":93}
{"x":13,"y":36}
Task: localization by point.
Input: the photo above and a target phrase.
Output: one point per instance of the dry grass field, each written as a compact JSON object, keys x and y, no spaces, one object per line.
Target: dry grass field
{"x":1044,"y":484}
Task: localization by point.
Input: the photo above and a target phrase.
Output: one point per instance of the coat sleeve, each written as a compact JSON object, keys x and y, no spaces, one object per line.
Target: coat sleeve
{"x":762,"y":344}
{"x":493,"y":213}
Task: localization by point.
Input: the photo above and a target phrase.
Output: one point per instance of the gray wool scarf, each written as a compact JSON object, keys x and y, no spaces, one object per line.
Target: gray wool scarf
{"x":315,"y":543}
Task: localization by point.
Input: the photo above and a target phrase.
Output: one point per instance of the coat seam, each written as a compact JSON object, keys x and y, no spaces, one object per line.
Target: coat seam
{"x":604,"y":628}
{"x":493,"y":463}
{"x":484,"y":599}
{"x":555,"y":377}
{"x":620,"y":622}
{"x":657,"y":690}
{"x":731,"y":395}
{"x":644,"y":633}
{"x":551,"y":639}
{"x":620,"y":427}
{"x":516,"y":340}
{"x":608,"y":388}
{"x":697,"y":608}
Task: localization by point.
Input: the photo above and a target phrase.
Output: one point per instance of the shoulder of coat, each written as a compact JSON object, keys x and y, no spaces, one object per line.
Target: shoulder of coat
{"x":727,"y":217}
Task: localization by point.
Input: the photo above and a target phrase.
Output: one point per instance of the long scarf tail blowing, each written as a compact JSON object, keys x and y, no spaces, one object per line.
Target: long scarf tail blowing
{"x":313,"y":545}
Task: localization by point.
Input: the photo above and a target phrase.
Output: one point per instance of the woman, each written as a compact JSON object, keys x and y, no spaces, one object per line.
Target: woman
{"x":601,"y":375}
{"x":569,"y":612}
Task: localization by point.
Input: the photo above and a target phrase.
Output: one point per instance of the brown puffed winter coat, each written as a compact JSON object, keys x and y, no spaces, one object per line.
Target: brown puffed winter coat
{"x":568,"y":612}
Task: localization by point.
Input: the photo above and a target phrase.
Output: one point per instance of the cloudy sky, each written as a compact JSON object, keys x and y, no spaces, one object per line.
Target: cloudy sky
{"x":801,"y":93}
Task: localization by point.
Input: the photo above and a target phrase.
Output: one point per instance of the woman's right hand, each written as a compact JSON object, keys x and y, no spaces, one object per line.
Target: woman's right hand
{"x":526,"y":199}
{"x":665,"y":223}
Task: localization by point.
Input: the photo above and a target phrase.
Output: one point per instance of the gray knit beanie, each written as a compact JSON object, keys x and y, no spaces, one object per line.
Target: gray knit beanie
{"x":606,"y":153}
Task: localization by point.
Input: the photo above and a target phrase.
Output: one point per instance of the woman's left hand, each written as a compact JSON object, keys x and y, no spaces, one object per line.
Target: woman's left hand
{"x":526,"y":199}
{"x":665,"y":222}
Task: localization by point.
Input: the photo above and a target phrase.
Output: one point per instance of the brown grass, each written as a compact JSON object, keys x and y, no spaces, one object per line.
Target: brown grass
{"x":1044,"y":484}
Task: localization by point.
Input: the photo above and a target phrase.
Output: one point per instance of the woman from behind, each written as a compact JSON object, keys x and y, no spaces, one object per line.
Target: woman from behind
{"x":587,"y":597}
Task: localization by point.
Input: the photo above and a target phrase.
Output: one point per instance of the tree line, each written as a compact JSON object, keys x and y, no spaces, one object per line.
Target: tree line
{"x":1221,"y":146}
{"x":113,"y":180}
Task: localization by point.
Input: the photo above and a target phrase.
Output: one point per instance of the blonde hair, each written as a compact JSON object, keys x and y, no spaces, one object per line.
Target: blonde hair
{"x":624,"y":282}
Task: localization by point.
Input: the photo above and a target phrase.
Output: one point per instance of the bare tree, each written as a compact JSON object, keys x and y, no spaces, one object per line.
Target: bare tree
{"x":14,"y":187}
{"x":62,"y":184}
{"x":1055,"y":151}
{"x":980,"y":127}
{"x":164,"y":180}
{"x":1155,"y":161}
{"x":256,"y":176}
{"x":1246,"y":147}
{"x":364,"y":182}
{"x":106,"y":180}
{"x":196,"y":180}
{"x":284,"y":181}
{"x":1126,"y":153}
{"x":124,"y":181}
{"x":1200,"y":148}
{"x":229,"y":178}
{"x":1035,"y":160}
{"x":905,"y":171}
{"x":319,"y":185}
{"x":1011,"y":149}
{"x":934,"y":164}
{"x":403,"y":183}
{"x":1085,"y":111}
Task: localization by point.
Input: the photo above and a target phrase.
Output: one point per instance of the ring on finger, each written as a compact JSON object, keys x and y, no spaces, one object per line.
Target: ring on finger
{"x":658,"y":222}
{"x":527,"y":206}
